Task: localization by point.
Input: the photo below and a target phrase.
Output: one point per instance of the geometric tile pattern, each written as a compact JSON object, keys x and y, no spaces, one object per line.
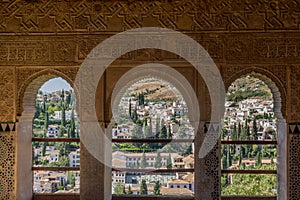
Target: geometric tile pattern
{"x":7,"y":127}
{"x":7,"y":166}
{"x":294,"y":166}
{"x":211,"y":161}
{"x":294,"y":128}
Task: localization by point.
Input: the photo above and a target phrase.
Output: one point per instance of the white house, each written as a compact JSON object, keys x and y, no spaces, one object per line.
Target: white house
{"x":74,"y":158}
{"x":52,"y":131}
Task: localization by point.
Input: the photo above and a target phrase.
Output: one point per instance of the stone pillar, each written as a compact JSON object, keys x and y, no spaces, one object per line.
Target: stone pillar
{"x":207,"y":169}
{"x":281,"y":159}
{"x":24,"y":156}
{"x":95,"y":177}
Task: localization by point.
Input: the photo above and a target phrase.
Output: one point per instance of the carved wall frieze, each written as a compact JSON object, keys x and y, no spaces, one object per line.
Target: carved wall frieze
{"x":93,"y":16}
{"x":223,"y":48}
{"x":295,"y":92}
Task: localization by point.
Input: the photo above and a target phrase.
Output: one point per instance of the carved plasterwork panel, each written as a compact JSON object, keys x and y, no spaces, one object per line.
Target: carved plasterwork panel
{"x":7,"y":85}
{"x":69,"y":50}
{"x":7,"y":162}
{"x":294,"y":161}
{"x":29,"y":16}
{"x":295,"y":93}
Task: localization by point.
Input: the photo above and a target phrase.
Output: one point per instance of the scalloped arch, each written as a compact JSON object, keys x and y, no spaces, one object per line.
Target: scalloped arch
{"x":276,"y":86}
{"x":27,"y":93}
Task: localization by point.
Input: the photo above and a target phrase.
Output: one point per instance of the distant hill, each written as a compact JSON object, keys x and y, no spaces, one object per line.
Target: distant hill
{"x":248,"y":87}
{"x":155,"y":89}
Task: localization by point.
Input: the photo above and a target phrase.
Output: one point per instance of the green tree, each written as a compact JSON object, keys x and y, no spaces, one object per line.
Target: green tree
{"x":158,"y":163}
{"x":234,"y":133}
{"x":137,"y":131}
{"x":63,"y":106}
{"x":44,"y":105}
{"x":157,"y":130}
{"x":143,"y":187}
{"x":224,"y":157}
{"x":169,"y":162}
{"x":143,"y":161}
{"x":130,"y":109}
{"x":37,"y":110}
{"x":259,"y":157}
{"x":71,"y":179}
{"x":156,"y":189}
{"x":148,"y":130}
{"x":170,"y":135}
{"x":254,"y":131}
{"x":129,"y":191}
{"x":189,"y":150}
{"x":239,"y":131}
{"x":134,"y":116}
{"x":61,"y":131}
{"x":63,"y":161}
{"x":72,"y":124}
{"x":44,"y":149}
{"x":46,"y":124}
{"x":68,"y":99}
{"x":163,"y":132}
{"x":228,"y":157}
{"x":119,"y":188}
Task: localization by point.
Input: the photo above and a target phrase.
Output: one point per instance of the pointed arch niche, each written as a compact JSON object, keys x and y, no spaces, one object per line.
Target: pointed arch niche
{"x":24,"y":159}
{"x":279,"y":95}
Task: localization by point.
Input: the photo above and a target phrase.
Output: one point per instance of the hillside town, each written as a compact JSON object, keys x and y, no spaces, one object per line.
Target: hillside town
{"x":153,"y":112}
{"x":55,"y":117}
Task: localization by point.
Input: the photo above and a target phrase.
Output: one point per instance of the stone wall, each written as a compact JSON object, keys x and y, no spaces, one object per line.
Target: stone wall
{"x":44,"y":37}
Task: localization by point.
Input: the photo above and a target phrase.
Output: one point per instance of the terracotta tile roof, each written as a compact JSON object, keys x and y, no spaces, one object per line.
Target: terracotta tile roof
{"x":170,"y":191}
{"x":179,"y":182}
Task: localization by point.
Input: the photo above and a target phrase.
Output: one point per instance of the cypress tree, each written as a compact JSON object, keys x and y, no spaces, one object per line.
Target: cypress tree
{"x":239,"y":131}
{"x":130,"y":114}
{"x":143,"y":161}
{"x":63,"y":109}
{"x":158,"y":163}
{"x":129,"y":191}
{"x":234,"y":133}
{"x":72,"y":124}
{"x":229,"y":159}
{"x":169,"y":162}
{"x":46,"y":121}
{"x":61,"y":131}
{"x":156,"y":189}
{"x":143,"y":187}
{"x":224,"y":157}
{"x":240,"y":158}
{"x":259,"y":157}
{"x":44,"y":149}
{"x":157,"y":127}
{"x":170,"y":135}
{"x":255,"y":134}
{"x":68,"y":99}
{"x":163,"y":132}
{"x":124,"y":191}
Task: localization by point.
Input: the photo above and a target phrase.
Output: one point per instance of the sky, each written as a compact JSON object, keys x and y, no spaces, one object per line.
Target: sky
{"x":55,"y":84}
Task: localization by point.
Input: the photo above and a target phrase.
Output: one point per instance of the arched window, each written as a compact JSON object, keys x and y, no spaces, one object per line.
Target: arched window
{"x":55,"y":139}
{"x":153,"y":151}
{"x":249,"y":140}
